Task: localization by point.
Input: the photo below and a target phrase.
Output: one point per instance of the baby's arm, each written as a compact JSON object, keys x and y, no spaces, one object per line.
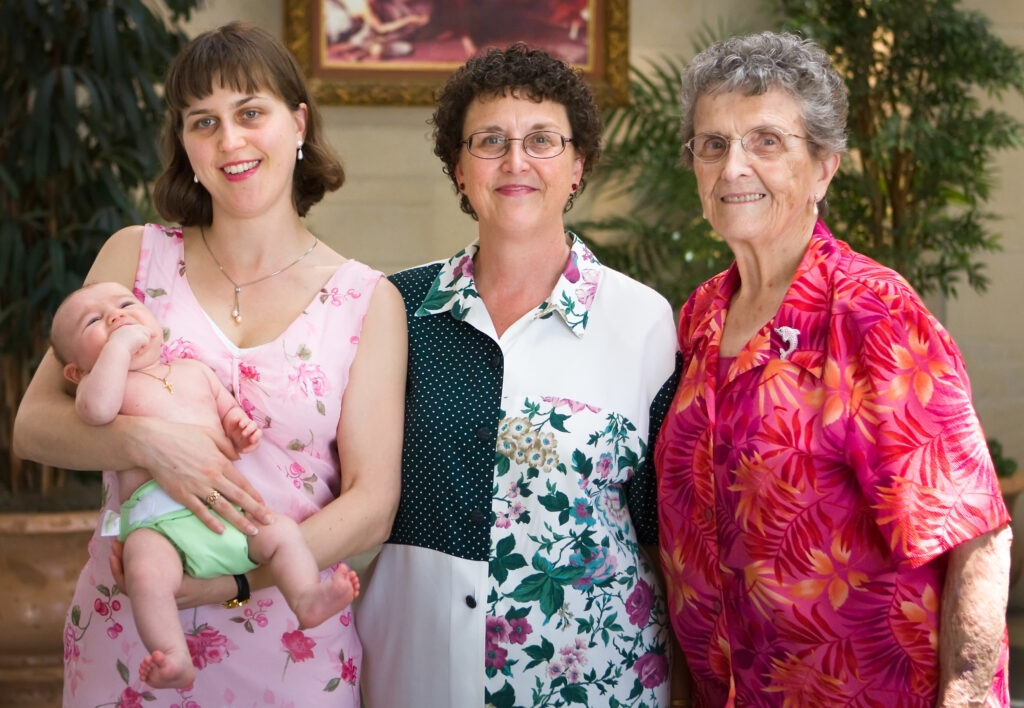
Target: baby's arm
{"x":240,"y":428}
{"x":100,"y":393}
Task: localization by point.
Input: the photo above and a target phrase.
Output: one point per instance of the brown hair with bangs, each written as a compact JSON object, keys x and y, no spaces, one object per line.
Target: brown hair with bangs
{"x":244,"y":58}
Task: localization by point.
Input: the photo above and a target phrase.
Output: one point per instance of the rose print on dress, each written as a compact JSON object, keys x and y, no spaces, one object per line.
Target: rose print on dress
{"x":298,"y":646}
{"x":309,"y":380}
{"x":180,"y":349}
{"x":299,"y":477}
{"x":248,"y":372}
{"x":335,"y":298}
{"x":207,"y":646}
{"x":254,"y":616}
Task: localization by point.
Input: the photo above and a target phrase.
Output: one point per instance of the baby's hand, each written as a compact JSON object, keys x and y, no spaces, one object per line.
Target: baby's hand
{"x":132,"y":337}
{"x":242,"y":430}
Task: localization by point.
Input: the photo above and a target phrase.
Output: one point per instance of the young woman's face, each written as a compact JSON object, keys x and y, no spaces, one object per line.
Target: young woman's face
{"x":517,"y":191}
{"x":243,"y":149}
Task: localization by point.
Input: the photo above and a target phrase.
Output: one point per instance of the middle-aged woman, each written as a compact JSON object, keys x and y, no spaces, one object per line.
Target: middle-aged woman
{"x":513,"y":575}
{"x":312,"y":345}
{"x":831,"y":525}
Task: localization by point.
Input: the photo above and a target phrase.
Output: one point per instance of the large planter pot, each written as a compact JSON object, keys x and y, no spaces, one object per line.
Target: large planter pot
{"x":41,"y":556}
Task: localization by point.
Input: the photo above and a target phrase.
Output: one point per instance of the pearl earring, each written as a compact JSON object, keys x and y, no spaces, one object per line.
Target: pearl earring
{"x":816,"y":200}
{"x":299,"y":155}
{"x":195,"y":178}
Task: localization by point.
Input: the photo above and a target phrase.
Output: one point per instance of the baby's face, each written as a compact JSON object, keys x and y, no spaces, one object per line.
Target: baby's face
{"x":88,"y":319}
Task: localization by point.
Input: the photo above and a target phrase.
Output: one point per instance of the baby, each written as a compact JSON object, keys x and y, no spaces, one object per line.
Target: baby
{"x":110,"y":344}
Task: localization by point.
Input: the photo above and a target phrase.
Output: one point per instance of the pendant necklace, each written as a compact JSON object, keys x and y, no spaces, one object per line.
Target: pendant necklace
{"x":236,"y":313}
{"x":161,"y":379}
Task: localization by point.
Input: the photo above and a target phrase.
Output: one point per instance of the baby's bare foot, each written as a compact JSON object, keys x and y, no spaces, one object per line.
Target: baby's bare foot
{"x":168,"y":670}
{"x":329,"y":598}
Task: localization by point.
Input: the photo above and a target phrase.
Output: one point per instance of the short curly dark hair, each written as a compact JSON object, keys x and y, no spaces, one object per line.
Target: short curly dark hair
{"x":525,"y":73}
{"x":246,"y":58}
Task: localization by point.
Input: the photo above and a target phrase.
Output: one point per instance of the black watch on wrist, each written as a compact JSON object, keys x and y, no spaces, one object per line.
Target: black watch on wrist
{"x":243,"y":593}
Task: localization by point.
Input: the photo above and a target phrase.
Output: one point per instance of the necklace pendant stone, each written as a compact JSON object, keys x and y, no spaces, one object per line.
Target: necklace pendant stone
{"x":236,"y":316}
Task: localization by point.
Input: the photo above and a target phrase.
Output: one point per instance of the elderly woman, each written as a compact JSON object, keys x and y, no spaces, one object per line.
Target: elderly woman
{"x":514,"y":574}
{"x":832,"y":530}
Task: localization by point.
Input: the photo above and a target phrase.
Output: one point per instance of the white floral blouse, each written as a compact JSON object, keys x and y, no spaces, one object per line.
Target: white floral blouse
{"x":514,"y":576}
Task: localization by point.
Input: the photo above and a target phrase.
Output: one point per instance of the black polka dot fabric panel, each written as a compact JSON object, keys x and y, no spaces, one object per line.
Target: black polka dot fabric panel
{"x":451,"y":424}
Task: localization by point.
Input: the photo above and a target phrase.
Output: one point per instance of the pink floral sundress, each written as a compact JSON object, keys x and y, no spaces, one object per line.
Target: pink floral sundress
{"x":254,"y":655}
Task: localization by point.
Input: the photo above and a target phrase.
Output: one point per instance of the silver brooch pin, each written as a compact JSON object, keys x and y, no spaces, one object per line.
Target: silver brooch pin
{"x":788,"y":336}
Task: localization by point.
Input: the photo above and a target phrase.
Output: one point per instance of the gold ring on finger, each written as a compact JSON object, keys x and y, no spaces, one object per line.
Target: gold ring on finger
{"x":212,"y":498}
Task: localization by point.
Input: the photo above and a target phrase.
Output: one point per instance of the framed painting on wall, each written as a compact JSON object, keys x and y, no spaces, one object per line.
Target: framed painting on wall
{"x":398,"y":52}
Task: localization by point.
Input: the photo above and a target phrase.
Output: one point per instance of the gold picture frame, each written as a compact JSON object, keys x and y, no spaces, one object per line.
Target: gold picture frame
{"x":402,"y":59}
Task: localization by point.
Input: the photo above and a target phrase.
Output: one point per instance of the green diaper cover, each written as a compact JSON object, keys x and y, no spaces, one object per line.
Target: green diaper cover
{"x":204,"y":554}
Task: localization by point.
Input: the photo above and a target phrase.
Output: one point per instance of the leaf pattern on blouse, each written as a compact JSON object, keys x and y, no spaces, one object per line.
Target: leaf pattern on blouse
{"x":564,"y":564}
{"x":454,"y":288}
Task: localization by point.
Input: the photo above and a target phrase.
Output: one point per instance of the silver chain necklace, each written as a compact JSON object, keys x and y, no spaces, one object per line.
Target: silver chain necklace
{"x":236,"y":313}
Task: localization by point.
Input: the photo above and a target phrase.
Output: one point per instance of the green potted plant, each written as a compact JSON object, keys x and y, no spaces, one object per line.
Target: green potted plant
{"x":911,"y":193}
{"x":80,"y":117}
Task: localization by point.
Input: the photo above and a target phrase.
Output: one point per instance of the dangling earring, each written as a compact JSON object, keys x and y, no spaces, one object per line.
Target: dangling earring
{"x":816,"y":200}
{"x":299,"y":155}
{"x":195,"y":178}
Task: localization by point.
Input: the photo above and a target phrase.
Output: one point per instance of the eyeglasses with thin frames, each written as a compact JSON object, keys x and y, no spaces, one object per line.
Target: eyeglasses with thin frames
{"x":542,"y":144}
{"x":766,"y":143}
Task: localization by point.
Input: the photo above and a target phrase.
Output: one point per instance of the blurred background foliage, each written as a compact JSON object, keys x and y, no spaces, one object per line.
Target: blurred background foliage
{"x":80,"y":116}
{"x":911,"y":193}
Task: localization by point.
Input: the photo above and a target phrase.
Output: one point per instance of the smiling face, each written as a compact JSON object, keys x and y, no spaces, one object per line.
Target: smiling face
{"x":518,"y":192}
{"x":85,"y":321}
{"x":754,"y":200}
{"x":243,"y":149}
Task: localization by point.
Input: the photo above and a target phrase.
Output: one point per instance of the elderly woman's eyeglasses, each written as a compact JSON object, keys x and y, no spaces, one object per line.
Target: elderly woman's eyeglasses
{"x":541,"y":144}
{"x":764,"y":143}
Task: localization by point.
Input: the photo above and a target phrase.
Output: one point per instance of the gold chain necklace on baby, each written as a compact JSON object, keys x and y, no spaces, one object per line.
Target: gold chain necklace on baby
{"x":161,"y":379}
{"x":236,"y":312}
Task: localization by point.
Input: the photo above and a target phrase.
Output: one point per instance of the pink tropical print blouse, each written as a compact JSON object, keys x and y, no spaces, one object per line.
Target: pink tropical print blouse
{"x":807,"y":504}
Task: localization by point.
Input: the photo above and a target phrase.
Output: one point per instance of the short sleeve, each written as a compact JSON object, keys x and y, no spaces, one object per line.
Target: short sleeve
{"x":914,"y":438}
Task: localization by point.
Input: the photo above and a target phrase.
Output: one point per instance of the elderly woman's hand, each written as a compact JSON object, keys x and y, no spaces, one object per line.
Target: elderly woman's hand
{"x":191,"y":463}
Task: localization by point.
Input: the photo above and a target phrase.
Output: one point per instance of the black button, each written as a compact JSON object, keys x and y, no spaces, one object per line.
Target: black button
{"x":716,"y":606}
{"x":496,"y":361}
{"x":708,"y":514}
{"x":470,"y":601}
{"x":476,"y":517}
{"x":483,"y":433}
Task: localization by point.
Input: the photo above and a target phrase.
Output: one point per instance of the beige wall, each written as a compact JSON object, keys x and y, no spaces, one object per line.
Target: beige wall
{"x":397,"y":209}
{"x":989,"y":328}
